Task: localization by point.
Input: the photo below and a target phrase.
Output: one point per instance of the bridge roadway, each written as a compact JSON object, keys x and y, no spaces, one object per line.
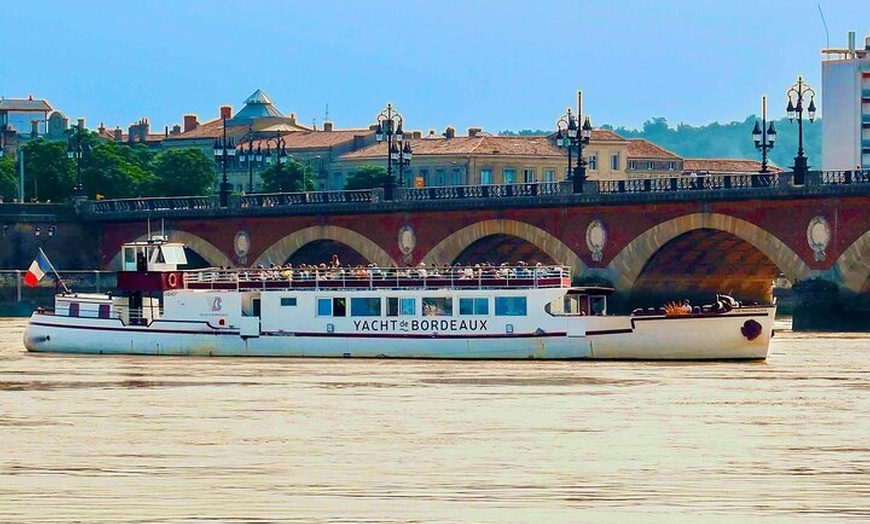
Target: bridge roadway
{"x":654,"y":240}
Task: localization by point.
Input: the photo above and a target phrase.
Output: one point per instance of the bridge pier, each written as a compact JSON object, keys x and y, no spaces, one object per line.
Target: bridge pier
{"x":821,"y":305}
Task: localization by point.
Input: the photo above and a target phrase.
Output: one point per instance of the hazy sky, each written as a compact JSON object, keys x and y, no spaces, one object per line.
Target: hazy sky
{"x":499,"y":64}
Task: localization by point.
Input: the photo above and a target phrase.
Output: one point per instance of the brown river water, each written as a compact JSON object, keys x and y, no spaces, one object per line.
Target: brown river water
{"x":181,"y":439}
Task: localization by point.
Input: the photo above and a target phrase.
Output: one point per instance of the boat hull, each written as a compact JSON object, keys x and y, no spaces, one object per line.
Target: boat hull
{"x":712,"y":337}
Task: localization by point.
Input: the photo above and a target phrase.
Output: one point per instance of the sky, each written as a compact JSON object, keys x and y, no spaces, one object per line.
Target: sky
{"x":495,"y":64}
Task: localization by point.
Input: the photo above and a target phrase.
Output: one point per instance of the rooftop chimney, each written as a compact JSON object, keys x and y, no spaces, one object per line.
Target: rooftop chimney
{"x":81,"y":123}
{"x":327,"y":126}
{"x":474,"y":131}
{"x":190,"y":123}
{"x":449,"y":133}
{"x":119,"y":135}
{"x":226,"y":112}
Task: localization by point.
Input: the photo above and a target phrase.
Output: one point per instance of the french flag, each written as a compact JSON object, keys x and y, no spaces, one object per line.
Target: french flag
{"x":38,"y":268}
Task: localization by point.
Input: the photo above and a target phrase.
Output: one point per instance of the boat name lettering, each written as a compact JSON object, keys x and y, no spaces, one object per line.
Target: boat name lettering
{"x":420,"y":325}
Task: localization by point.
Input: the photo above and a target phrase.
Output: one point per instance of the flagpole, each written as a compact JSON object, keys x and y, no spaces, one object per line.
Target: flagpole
{"x":56,"y":275}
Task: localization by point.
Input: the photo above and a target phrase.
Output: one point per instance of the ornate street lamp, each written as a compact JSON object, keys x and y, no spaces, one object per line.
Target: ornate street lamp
{"x":280,"y":156}
{"x":570,"y":135}
{"x":224,"y":151}
{"x":399,"y":151}
{"x":796,"y":96}
{"x":764,"y":135}
{"x":246,"y":157}
{"x":76,"y":148}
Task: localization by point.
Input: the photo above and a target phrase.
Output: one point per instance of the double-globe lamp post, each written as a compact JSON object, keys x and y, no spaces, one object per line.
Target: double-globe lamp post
{"x":224,"y":151}
{"x":571,"y":134}
{"x":247,"y":156}
{"x":398,"y":149}
{"x":796,"y":96}
{"x":764,"y":136}
{"x":280,"y":157}
{"x":76,"y":148}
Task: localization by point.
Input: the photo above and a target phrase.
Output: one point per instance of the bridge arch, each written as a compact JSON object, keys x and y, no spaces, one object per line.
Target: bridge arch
{"x":212,"y":255}
{"x":284,"y":248}
{"x":451,"y":247}
{"x":853,"y":268}
{"x":627,"y":265}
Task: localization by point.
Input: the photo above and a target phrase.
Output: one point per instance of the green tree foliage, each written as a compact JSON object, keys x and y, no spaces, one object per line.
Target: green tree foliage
{"x":182,"y":172}
{"x":8,"y":179}
{"x":290,"y":176}
{"x":48,"y":173}
{"x":118,"y":171}
{"x":731,"y":140}
{"x":367,"y":177}
{"x":527,"y":132}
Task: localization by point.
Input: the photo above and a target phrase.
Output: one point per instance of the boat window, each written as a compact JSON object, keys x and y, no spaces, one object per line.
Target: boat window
{"x":324,"y":307}
{"x":332,"y":307}
{"x":401,"y":307}
{"x":437,"y":306}
{"x":598,"y":305}
{"x":288,"y":301}
{"x":473,"y":306}
{"x":174,"y":254}
{"x":365,"y":307}
{"x":510,"y":306}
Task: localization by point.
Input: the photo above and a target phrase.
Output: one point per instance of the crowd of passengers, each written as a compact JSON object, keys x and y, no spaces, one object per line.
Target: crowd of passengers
{"x":335,"y":270}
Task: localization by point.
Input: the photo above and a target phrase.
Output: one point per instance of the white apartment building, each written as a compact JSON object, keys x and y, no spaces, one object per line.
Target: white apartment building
{"x":846,"y":107}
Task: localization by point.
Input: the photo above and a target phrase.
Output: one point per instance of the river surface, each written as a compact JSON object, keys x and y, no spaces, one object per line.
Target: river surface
{"x":181,"y":439}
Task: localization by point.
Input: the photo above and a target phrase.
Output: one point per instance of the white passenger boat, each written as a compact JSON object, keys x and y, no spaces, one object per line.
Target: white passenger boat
{"x":456,"y":313}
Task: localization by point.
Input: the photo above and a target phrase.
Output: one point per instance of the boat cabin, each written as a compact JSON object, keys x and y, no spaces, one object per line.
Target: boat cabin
{"x":587,"y":300}
{"x":156,"y":255}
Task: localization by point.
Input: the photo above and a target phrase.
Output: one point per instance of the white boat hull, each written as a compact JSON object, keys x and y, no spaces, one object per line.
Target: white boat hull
{"x":702,"y":337}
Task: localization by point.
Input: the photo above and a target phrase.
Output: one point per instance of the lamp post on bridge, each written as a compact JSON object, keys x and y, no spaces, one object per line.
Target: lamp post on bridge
{"x":796,"y":96}
{"x":76,"y":148}
{"x":280,"y":157}
{"x":398,"y":150}
{"x":247,"y":157}
{"x":764,"y":135}
{"x":224,"y":151}
{"x":570,"y":135}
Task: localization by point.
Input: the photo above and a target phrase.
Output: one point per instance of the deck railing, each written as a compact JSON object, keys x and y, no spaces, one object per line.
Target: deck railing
{"x":373,"y":277}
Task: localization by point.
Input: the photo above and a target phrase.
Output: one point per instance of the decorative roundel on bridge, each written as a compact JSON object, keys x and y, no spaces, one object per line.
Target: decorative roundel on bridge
{"x":407,"y":241}
{"x":818,"y":236}
{"x":596,"y":237}
{"x":242,"y":243}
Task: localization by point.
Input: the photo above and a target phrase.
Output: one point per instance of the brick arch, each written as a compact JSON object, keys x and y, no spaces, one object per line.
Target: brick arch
{"x":284,"y":248}
{"x":214,"y":256}
{"x":853,"y":268}
{"x":627,"y":265}
{"x":451,"y":247}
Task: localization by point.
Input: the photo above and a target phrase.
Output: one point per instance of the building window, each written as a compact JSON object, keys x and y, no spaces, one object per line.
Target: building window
{"x":529,"y":176}
{"x":592,"y":162}
{"x":509,"y":175}
{"x":456,"y":178}
{"x":485,"y":176}
{"x":614,"y":161}
{"x":439,"y":177}
{"x":632,"y":165}
{"x":651,"y":165}
{"x":549,"y":175}
{"x":672,"y":166}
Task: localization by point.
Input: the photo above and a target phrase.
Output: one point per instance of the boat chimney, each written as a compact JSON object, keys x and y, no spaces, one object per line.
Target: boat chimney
{"x":852,"y":44}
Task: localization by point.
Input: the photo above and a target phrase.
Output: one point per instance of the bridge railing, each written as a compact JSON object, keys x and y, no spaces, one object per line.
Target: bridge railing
{"x":677,"y":183}
{"x":309,"y":197}
{"x":690,"y":182}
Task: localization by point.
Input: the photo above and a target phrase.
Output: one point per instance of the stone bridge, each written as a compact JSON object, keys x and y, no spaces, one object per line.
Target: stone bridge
{"x":653,"y":241}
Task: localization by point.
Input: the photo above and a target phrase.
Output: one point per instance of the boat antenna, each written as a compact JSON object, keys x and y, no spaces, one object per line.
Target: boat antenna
{"x":163,"y":227}
{"x":149,"y":229}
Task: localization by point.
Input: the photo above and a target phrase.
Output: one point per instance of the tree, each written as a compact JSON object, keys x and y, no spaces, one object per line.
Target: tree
{"x":182,"y":172}
{"x":367,"y":177}
{"x":117,"y":171}
{"x":48,"y":173}
{"x":8,"y":179}
{"x":291,"y":176}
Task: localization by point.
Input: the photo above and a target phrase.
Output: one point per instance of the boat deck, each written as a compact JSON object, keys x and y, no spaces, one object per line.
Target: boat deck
{"x":514,"y":277}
